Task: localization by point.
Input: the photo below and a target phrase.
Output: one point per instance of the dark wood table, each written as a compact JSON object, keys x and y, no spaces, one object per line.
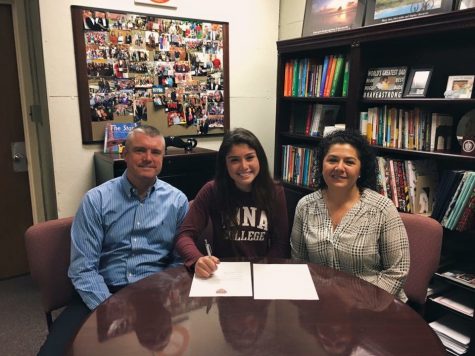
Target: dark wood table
{"x":155,"y":316}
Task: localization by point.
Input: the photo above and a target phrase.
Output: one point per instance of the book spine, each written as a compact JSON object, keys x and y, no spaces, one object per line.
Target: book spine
{"x":330,"y":75}
{"x":308,"y":120}
{"x":346,"y":79}
{"x":467,"y":219}
{"x":295,"y":78}
{"x":364,"y":123}
{"x":451,"y":206}
{"x":392,"y":181}
{"x":462,"y":201}
{"x":337,"y":78}
{"x":324,"y":75}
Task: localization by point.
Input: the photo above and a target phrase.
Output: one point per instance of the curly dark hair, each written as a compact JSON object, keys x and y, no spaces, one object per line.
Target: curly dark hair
{"x":262,"y":187}
{"x":368,"y":173}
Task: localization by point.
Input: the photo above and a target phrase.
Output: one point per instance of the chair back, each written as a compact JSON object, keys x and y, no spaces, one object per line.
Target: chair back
{"x":48,"y":250}
{"x":425,"y":242}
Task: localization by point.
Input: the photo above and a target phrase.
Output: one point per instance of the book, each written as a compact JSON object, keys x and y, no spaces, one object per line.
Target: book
{"x":326,"y":59}
{"x":467,"y":218}
{"x":295,"y":78}
{"x":462,"y":201}
{"x":381,"y":176}
{"x":346,"y":79}
{"x":329,"y":76}
{"x":454,"y":199}
{"x":364,"y":123}
{"x":449,"y":184}
{"x":308,"y":120}
{"x":338,"y":77}
{"x":385,"y":83}
{"x":315,"y":129}
{"x":116,"y":134}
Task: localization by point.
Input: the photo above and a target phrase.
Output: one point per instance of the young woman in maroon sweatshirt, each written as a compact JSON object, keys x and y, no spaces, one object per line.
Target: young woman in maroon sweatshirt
{"x":247,"y":208}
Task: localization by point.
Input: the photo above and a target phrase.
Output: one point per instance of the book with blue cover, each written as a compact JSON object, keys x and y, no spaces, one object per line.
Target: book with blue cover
{"x":116,"y":134}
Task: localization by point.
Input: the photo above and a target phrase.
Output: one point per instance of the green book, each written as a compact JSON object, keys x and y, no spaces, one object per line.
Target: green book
{"x":338,"y":76}
{"x":346,"y":78}
{"x":295,"y":81}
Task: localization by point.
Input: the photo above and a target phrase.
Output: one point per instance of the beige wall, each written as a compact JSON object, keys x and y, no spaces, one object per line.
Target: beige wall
{"x":291,"y":18}
{"x":253,"y":27}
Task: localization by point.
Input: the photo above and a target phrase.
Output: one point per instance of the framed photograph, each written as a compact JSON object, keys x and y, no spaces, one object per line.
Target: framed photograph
{"x":418,"y":82}
{"x":466,"y":4}
{"x":324,"y":16}
{"x":385,"y":83}
{"x":382,"y":11}
{"x":168,"y":72}
{"x":459,"y":87}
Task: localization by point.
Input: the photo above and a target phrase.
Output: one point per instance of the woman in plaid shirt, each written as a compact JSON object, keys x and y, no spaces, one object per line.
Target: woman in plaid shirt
{"x":346,"y":224}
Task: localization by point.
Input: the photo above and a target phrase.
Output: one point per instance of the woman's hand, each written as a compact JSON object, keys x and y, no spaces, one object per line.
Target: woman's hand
{"x":205,"y":266}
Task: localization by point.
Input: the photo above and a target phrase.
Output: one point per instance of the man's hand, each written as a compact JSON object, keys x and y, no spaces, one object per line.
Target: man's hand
{"x":205,"y":266}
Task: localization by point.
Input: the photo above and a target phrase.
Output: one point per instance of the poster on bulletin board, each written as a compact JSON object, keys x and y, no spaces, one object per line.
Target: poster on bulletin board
{"x":171,"y":73}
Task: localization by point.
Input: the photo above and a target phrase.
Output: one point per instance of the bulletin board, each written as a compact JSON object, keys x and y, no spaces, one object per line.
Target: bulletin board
{"x":168,"y":72}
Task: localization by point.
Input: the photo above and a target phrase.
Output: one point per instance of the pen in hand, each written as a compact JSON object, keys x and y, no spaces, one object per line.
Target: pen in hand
{"x":208,"y":248}
{"x":206,"y":265}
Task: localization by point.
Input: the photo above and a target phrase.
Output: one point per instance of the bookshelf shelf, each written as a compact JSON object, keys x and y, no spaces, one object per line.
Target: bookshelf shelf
{"x":443,"y":42}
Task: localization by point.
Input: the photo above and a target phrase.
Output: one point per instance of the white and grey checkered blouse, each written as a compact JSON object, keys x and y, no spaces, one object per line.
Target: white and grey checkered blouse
{"x":370,"y":242}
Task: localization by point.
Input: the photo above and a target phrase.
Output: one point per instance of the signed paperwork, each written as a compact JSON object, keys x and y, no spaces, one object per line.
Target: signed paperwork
{"x":271,"y":281}
{"x":231,"y":279}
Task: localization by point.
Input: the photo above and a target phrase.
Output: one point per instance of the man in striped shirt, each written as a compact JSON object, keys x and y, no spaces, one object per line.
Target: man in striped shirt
{"x":124,"y":230}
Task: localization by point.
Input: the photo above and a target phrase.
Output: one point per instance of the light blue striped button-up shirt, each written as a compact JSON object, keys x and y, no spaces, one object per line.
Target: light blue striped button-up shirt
{"x":118,"y":239}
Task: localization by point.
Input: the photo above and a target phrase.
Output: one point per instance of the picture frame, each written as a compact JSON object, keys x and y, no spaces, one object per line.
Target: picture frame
{"x":459,"y":87}
{"x":168,"y":72}
{"x":418,"y":82}
{"x":381,"y":11}
{"x":385,"y":83}
{"x":324,"y":16}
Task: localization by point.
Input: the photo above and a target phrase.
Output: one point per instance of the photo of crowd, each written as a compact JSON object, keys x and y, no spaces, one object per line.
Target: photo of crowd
{"x":141,"y":67}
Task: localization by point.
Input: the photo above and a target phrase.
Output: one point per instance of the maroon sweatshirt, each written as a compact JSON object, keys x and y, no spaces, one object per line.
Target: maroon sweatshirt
{"x":256,"y":235}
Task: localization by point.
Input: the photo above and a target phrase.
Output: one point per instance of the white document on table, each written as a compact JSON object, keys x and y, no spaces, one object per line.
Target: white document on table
{"x":231,"y":279}
{"x":283,"y":281}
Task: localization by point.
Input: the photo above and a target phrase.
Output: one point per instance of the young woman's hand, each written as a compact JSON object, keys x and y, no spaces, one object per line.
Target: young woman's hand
{"x":205,"y":266}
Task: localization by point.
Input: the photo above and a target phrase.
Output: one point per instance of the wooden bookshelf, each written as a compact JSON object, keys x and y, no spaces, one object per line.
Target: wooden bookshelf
{"x":444,"y":42}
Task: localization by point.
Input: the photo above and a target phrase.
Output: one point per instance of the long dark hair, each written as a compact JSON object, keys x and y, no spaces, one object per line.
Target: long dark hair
{"x":263,"y":190}
{"x":365,"y":152}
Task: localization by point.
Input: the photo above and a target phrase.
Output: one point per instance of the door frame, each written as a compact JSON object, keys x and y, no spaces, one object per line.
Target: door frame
{"x":33,"y":94}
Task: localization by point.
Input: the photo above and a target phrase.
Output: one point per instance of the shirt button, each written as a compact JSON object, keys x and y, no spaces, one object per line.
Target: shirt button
{"x":130,"y":274}
{"x":135,"y":239}
{"x":138,"y":223}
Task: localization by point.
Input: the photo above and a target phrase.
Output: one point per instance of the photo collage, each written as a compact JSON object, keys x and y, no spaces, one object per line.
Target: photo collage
{"x":159,"y":71}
